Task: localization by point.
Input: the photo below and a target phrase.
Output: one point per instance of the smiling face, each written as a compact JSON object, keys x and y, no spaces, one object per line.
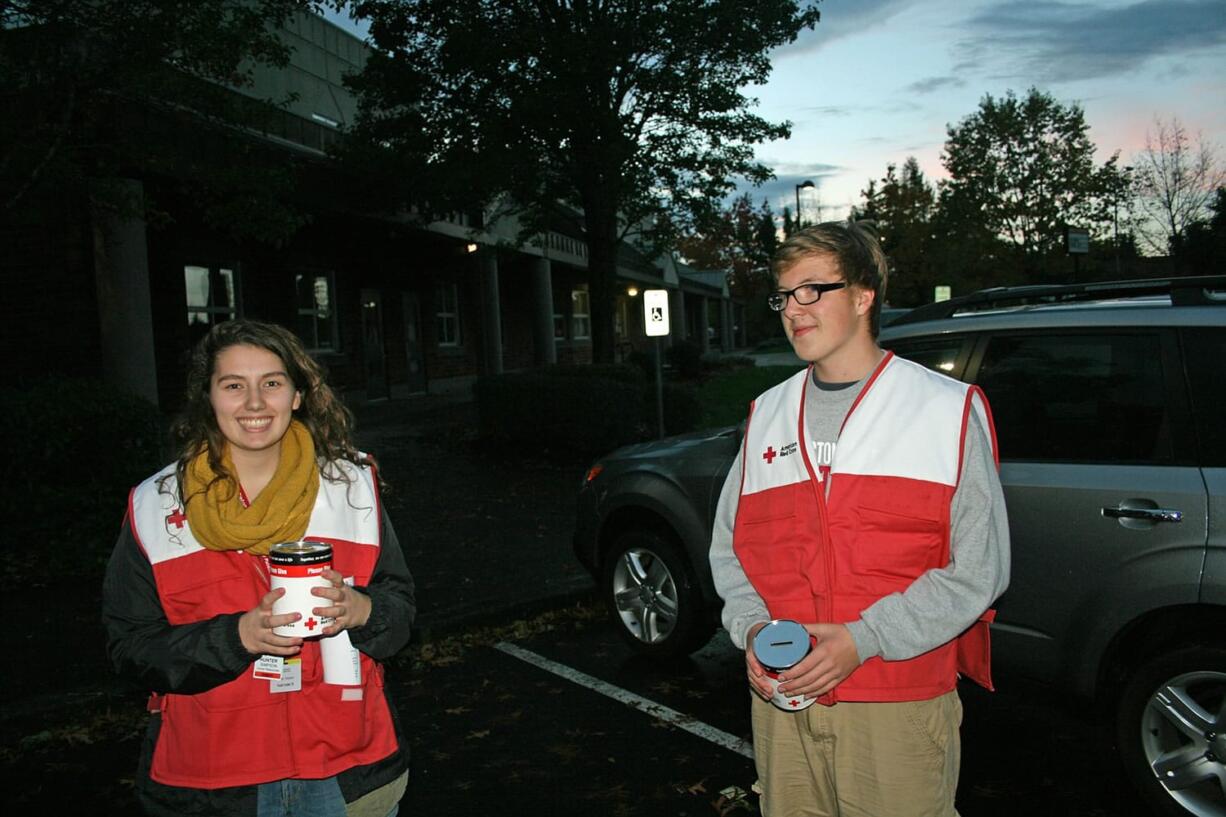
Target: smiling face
{"x":833,"y":333}
{"x":253,"y":400}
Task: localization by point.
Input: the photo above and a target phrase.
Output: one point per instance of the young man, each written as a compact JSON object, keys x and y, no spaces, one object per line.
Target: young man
{"x":864,"y":504}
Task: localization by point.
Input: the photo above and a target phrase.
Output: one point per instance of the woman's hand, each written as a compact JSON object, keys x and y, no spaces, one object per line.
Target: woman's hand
{"x":255,"y":628}
{"x":350,"y":608}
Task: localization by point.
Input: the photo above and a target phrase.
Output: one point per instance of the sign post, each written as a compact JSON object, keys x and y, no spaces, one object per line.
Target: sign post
{"x":655,"y":319}
{"x":1076,"y":244}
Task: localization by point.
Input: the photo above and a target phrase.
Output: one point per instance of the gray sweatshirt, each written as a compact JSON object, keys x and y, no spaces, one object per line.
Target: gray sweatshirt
{"x":940,"y":603}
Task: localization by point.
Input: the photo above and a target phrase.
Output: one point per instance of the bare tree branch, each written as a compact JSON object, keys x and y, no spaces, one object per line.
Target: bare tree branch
{"x":1176,"y":180}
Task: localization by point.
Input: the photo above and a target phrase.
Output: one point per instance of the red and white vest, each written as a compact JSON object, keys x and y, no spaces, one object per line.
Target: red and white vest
{"x":814,"y":557}
{"x":240,"y":733}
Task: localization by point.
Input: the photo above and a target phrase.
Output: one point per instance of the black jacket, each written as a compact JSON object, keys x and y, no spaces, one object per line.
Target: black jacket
{"x":146,"y":649}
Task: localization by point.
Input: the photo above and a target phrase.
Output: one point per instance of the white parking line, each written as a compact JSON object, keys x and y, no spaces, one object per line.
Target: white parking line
{"x":672,"y":716}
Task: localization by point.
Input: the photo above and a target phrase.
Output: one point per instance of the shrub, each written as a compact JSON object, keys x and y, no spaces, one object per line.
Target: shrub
{"x":682,"y":408}
{"x":571,"y":415}
{"x":621,"y":372}
{"x":715,"y":362}
{"x":685,"y":357}
{"x":72,"y":449}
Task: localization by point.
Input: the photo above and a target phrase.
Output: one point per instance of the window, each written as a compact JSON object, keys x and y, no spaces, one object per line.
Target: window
{"x":211,"y":295}
{"x":316,"y":299}
{"x":581,"y":314}
{"x":446,"y":314}
{"x":1078,"y":397}
{"x":943,"y":354}
{"x":620,"y":321}
{"x":1206,"y":349}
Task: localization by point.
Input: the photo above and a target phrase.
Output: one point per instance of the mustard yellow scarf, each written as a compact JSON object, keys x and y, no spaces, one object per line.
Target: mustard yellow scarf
{"x":279,"y":514}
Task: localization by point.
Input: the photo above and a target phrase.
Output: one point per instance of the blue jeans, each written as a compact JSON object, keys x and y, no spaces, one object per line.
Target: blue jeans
{"x":303,"y":798}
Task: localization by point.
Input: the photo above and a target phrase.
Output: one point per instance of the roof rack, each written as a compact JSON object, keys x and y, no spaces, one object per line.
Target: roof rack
{"x":1190,"y":291}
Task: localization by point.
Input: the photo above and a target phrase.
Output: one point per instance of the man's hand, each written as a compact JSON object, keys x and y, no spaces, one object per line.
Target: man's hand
{"x":830,"y":661}
{"x":758,"y":681}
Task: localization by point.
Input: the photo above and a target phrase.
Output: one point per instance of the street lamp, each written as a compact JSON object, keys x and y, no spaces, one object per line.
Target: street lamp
{"x":805,"y":185}
{"x":1128,"y":178}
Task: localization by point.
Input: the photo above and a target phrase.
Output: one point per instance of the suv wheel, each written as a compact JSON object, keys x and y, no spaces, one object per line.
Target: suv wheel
{"x":1171,"y":731}
{"x":652,"y":595}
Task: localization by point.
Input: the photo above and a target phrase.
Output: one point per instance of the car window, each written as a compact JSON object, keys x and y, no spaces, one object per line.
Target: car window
{"x":1204,"y":351}
{"x":1083,"y":397}
{"x":940,"y":354}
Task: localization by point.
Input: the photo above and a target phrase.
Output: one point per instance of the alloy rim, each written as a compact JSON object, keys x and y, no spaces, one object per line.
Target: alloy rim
{"x":645,"y":595}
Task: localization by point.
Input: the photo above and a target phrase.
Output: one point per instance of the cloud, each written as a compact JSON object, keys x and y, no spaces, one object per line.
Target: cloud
{"x":1062,"y":42}
{"x":781,"y":191}
{"x":831,"y":110}
{"x":934,"y":84}
{"x":843,"y":18}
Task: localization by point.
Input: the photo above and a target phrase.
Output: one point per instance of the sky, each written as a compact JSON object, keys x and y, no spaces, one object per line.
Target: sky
{"x":878,"y":81}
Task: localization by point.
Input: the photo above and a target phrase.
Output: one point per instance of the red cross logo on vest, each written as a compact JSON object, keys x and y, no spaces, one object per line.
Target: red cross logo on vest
{"x":769,"y":454}
{"x":311,"y":624}
{"x":177,"y":518}
{"x":794,"y":702}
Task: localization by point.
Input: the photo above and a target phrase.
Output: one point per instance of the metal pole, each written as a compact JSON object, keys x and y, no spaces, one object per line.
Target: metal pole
{"x":659,"y":387}
{"x":1116,"y":239}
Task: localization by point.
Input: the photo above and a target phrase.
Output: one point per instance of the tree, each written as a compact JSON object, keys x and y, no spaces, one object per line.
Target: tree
{"x":1022,"y":170}
{"x":1203,"y":245}
{"x":902,"y":209}
{"x":741,"y":240}
{"x":1175,"y":181}
{"x":629,"y":112}
{"x":69,"y":69}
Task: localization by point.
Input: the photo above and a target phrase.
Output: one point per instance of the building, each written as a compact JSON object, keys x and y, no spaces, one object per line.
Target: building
{"x":389,"y":306}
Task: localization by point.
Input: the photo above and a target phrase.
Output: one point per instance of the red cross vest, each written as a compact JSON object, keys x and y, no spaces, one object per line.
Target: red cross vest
{"x":241,"y":733}
{"x":814,"y":557}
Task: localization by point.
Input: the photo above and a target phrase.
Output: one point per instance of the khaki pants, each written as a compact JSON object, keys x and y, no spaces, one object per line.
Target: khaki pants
{"x":859,"y":759}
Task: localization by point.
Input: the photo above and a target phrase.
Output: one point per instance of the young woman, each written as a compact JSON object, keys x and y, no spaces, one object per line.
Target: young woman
{"x":243,"y":721}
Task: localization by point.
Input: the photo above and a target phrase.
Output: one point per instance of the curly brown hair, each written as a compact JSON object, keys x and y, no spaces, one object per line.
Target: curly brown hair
{"x":328,"y":420}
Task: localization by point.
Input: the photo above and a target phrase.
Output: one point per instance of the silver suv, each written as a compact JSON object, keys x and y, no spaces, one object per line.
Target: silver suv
{"x":1110,"y":409}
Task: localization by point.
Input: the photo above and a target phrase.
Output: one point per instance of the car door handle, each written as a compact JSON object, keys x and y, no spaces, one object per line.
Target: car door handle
{"x":1148,"y":514}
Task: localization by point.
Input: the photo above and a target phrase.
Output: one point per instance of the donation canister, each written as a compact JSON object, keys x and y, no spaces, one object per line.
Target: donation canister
{"x":779,"y":646}
{"x":299,"y":566}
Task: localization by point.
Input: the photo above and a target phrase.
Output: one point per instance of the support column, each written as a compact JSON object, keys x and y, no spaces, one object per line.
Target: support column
{"x":704,"y":322}
{"x":725,"y":329}
{"x":491,"y":311}
{"x":542,"y":312}
{"x":121,"y":280}
{"x":676,"y":318}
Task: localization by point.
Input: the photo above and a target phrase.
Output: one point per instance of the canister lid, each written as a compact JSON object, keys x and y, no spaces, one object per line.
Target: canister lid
{"x":781,"y":643}
{"x":300,"y":553}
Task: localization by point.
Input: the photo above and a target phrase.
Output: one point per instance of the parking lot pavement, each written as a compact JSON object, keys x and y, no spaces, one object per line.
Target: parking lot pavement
{"x":566,"y":720}
{"x":514,"y":739}
{"x":554,"y":715}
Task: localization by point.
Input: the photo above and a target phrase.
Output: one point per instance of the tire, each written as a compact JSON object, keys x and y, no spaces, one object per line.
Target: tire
{"x":1170,"y":728}
{"x":652,"y":595}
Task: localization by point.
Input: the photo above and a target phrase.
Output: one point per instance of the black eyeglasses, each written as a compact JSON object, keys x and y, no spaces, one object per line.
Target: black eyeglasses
{"x":804,"y":294}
